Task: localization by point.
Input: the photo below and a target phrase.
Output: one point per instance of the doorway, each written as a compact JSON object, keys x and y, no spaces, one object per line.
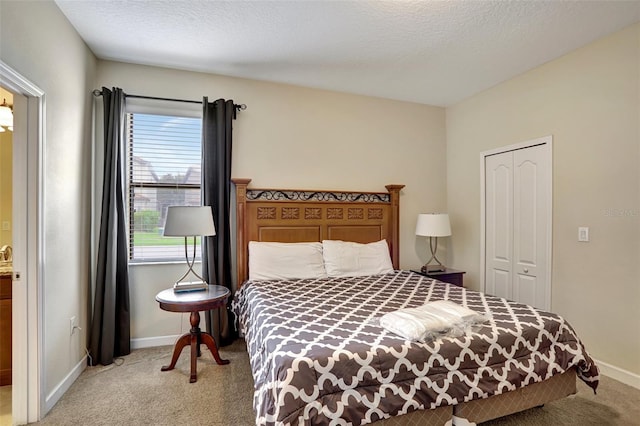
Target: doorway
{"x":6,"y":243}
{"x":26,"y":230}
{"x":516,"y":197}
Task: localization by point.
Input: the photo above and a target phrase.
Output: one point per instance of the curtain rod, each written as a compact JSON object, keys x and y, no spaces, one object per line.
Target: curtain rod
{"x":96,"y":92}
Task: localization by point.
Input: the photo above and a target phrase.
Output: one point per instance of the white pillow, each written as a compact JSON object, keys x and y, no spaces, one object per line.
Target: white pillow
{"x":348,"y":259}
{"x":284,"y":261}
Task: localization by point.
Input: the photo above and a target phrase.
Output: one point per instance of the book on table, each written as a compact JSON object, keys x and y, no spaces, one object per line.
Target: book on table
{"x":190,"y":286}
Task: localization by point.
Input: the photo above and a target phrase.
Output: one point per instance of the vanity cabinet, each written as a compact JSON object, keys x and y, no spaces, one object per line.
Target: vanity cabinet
{"x":5,"y":330}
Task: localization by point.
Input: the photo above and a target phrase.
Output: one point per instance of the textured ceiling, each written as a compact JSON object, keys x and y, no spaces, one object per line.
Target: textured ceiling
{"x":431,"y":52}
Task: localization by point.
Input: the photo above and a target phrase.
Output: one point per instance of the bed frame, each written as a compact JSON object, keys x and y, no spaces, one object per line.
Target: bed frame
{"x":286,"y":215}
{"x":290,"y":216}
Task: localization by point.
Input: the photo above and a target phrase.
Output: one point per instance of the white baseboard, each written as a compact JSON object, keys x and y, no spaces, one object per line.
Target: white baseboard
{"x":624,"y":376}
{"x":150,"y":342}
{"x":64,"y":385}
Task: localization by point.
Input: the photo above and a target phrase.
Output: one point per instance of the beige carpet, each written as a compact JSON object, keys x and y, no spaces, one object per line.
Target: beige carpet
{"x":136,"y":392}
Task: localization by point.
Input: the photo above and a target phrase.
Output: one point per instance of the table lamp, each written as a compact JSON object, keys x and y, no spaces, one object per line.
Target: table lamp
{"x":189,"y":221}
{"x":433,"y":225}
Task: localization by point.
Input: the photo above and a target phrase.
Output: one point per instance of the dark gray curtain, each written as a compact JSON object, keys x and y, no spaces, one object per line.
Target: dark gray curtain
{"x":217,"y":118}
{"x":110,"y":331}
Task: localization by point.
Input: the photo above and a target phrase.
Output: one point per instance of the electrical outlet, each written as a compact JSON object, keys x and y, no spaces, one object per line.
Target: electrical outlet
{"x":73,"y":325}
{"x":6,"y":225}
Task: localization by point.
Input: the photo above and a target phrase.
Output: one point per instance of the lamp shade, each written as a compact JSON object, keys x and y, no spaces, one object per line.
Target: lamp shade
{"x":185,"y":221}
{"x":433,"y":225}
{"x":6,"y":116}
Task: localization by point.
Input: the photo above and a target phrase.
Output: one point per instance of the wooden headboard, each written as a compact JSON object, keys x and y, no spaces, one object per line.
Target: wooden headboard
{"x":286,"y":215}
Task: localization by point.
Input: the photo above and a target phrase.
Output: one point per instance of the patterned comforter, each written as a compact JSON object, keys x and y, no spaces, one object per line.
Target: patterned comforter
{"x":319,"y":356}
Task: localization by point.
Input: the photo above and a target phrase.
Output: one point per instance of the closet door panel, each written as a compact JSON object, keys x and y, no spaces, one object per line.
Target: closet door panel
{"x":499,"y":224}
{"x":530,"y":225}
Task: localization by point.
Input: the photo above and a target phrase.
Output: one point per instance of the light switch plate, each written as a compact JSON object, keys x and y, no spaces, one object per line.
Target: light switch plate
{"x":583,"y":234}
{"x":6,"y":225}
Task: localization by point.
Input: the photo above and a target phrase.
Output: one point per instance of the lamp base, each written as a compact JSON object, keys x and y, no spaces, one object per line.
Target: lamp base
{"x":433,"y":268}
{"x":189,"y":286}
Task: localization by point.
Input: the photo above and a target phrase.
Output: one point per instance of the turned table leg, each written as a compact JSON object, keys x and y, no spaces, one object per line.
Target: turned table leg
{"x":183,"y":341}
{"x":194,"y":338}
{"x":195,"y":346}
{"x":208,"y":340}
{"x":213,"y":297}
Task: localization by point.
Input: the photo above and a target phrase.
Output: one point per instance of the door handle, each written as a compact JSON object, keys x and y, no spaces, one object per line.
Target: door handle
{"x":526,"y":271}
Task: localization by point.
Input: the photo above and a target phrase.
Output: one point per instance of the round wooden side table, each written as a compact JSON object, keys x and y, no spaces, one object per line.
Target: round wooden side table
{"x":213,"y":297}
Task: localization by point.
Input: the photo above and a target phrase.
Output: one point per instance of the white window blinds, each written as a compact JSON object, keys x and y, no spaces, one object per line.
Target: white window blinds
{"x":163,"y":170}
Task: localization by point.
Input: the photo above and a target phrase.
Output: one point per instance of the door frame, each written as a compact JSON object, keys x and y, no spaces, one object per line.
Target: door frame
{"x":547,"y":142}
{"x":27,"y":299}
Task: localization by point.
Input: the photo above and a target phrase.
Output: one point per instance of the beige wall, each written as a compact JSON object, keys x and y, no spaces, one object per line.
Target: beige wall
{"x":38,"y":42}
{"x":588,"y":101}
{"x":6,"y":169}
{"x":303,"y":138}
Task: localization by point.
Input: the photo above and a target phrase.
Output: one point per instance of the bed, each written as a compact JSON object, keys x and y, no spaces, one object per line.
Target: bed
{"x":319,"y":355}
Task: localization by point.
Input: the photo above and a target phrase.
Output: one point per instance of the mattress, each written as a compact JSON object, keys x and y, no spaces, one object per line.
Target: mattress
{"x":319,"y":356}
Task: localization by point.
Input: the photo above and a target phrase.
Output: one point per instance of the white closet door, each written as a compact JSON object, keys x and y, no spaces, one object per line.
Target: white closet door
{"x":499,"y":228}
{"x":517,"y":224}
{"x":530,"y":225}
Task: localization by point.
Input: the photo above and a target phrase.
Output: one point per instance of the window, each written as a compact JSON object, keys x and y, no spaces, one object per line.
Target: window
{"x":163,"y":170}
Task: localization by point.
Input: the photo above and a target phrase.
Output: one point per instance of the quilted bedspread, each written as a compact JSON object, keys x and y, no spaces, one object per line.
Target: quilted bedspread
{"x":318,"y":355}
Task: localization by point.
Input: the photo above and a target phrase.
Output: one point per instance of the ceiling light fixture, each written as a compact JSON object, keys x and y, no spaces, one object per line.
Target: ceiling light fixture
{"x":6,"y":116}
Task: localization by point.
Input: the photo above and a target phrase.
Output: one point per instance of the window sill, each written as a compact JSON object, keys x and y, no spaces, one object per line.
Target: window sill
{"x":160,"y":262}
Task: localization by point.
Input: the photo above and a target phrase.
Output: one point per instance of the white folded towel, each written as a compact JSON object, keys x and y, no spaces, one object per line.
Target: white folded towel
{"x":430,"y":320}
{"x":452,"y":311}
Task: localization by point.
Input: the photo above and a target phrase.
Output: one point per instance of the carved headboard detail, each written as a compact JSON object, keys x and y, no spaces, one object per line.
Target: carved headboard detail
{"x":285,"y":215}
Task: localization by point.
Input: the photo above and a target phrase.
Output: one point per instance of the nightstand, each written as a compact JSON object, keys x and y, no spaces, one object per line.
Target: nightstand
{"x":213,"y":297}
{"x":451,"y":276}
